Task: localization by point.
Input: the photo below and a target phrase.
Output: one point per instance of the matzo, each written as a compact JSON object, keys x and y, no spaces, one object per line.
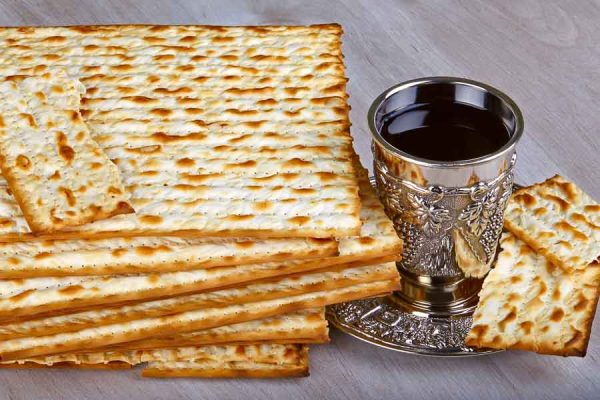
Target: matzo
{"x":264,"y":353}
{"x":192,"y":115}
{"x":258,"y":361}
{"x":83,"y":332}
{"x":57,"y":173}
{"x":263,"y":290}
{"x":131,"y":358}
{"x":557,"y":219}
{"x":268,"y":361}
{"x":378,"y":242}
{"x":218,"y":370}
{"x":149,"y":255}
{"x":67,"y":364}
{"x":264,"y":361}
{"x":305,"y":326}
{"x":100,"y":291}
{"x":527,"y":303}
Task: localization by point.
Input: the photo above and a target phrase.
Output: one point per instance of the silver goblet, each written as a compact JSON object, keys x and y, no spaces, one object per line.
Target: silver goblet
{"x":449,"y":214}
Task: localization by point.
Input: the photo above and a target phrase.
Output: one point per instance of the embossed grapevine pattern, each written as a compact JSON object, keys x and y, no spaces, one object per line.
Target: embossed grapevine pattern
{"x":384,"y":323}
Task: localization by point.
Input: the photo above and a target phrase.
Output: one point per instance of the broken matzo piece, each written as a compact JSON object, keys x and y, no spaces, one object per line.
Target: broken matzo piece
{"x":558,"y":220}
{"x":57,"y":173}
{"x":527,"y":303}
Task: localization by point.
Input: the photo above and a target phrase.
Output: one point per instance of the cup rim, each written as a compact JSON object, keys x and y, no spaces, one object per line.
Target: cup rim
{"x":507,"y":147}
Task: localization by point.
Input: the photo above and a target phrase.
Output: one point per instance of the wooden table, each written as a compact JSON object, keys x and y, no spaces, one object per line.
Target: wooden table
{"x":544,"y":54}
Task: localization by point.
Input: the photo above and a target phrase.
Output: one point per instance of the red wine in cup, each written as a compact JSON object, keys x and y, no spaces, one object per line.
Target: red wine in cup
{"x":445,"y":131}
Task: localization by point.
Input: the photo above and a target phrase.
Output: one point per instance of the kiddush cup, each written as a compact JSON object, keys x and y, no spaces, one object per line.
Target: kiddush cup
{"x":448,"y":213}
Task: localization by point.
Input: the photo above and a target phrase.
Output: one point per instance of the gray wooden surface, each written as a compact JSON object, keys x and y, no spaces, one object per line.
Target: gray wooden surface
{"x":545,"y":54}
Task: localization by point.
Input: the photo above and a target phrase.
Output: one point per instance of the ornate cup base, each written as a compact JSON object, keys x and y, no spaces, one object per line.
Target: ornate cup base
{"x":389,"y":322}
{"x":428,"y":316}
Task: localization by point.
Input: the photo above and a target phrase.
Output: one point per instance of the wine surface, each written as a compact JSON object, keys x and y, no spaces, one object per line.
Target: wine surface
{"x":445,"y":131}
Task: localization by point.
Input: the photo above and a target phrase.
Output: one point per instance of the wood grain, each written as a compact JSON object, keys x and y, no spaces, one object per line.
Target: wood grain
{"x":544,"y":54}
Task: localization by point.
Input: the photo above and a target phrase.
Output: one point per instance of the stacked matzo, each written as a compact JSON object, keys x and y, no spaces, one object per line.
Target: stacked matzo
{"x":252,"y":211}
